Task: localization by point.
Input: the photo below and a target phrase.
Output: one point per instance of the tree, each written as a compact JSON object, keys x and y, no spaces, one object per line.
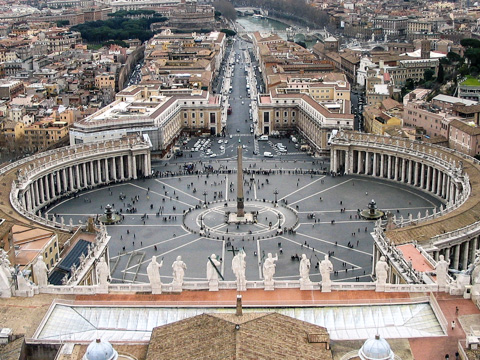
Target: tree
{"x":470,"y":43}
{"x":428,"y":74}
{"x":62,"y":23}
{"x":441,"y":74}
{"x":301,"y":43}
{"x":229,"y":32}
{"x":226,"y":9}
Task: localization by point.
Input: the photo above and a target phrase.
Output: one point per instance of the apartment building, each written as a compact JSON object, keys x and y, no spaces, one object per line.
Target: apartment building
{"x":148,"y":109}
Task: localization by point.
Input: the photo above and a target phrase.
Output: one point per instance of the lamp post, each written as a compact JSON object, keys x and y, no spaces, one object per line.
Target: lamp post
{"x":205,"y":197}
{"x":201,"y":221}
{"x":275,"y":193}
{"x":279,"y":217}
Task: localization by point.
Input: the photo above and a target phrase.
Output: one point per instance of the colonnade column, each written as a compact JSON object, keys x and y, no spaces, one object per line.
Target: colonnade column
{"x":389,"y":166}
{"x":70,"y":175}
{"x":374,"y":170}
{"x":410,"y":170}
{"x":439,"y":183}
{"x":64,"y":180}
{"x":84,"y":170}
{"x":42,"y":193}
{"x":147,"y":163}
{"x":52,"y":185}
{"x":474,"y":248}
{"x":134,"y":166}
{"x":114,"y":168}
{"x":107,"y":172}
{"x":77,"y":176}
{"x":456,"y":256}
{"x":37,"y":197}
{"x":359,"y":159}
{"x":465,"y":255}
{"x":396,"y":169}
{"x":382,"y":165}
{"x":47,"y":188}
{"x":99,"y":171}
{"x":92,"y":174}
{"x":122,"y":170}
{"x":447,"y":254}
{"x":59,"y":183}
{"x":415,"y":173}
{"x":367,"y":162}
{"x":422,"y":175}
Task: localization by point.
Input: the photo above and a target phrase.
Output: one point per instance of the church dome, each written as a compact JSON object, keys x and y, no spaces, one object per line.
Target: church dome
{"x":376,"y":349}
{"x":100,"y":350}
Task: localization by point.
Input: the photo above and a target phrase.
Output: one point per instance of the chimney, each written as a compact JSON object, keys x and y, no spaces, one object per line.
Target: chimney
{"x":239,"y":306}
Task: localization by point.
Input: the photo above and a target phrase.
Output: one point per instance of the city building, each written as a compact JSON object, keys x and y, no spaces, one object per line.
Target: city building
{"x":161,"y":114}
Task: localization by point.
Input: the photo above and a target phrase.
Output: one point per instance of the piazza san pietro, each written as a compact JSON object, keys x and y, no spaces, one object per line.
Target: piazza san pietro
{"x":186,"y":179}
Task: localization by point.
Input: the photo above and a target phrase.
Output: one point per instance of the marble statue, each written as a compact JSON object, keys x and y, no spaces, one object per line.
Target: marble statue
{"x":5,"y":275}
{"x":476,"y":277}
{"x":442,"y":271}
{"x":153,"y":272}
{"x":269,"y":267}
{"x":238,"y":266}
{"x":212,"y":273}
{"x":381,"y":271}
{"x":40,"y":272}
{"x":304,"y":269}
{"x":326,"y":267}
{"x":103,"y":272}
{"x":179,"y":268}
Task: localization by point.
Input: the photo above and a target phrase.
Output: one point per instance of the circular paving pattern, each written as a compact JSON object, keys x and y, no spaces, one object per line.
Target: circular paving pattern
{"x":268,"y":220}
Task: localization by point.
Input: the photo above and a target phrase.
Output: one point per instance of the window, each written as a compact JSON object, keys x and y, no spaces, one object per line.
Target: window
{"x":184,"y":115}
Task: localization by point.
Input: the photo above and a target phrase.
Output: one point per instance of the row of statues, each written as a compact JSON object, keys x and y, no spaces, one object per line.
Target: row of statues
{"x":238,"y":268}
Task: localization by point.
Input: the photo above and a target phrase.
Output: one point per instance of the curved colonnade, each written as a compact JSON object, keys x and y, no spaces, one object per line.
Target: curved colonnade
{"x":49,"y":176}
{"x":454,"y":229}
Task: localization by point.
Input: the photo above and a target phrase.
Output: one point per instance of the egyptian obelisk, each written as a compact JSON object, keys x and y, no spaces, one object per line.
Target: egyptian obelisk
{"x":240,"y":205}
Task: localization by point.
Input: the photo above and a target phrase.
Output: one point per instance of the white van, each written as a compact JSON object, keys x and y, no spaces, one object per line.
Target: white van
{"x":268,"y":154}
{"x":263,"y":138}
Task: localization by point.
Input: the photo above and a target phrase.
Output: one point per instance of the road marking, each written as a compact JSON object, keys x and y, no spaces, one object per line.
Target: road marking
{"x":177,"y":189}
{"x":166,"y":197}
{"x":331,"y":187}
{"x":303,"y":187}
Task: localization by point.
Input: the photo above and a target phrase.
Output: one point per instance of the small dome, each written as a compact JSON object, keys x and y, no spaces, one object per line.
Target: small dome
{"x":376,"y":349}
{"x":100,"y":350}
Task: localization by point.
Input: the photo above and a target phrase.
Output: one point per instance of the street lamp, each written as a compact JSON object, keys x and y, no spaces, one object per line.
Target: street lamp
{"x":205,"y":197}
{"x":201,"y":222}
{"x":275,"y":193}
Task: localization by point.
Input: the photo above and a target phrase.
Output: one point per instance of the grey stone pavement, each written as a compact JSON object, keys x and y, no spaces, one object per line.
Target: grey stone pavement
{"x":137,"y":238}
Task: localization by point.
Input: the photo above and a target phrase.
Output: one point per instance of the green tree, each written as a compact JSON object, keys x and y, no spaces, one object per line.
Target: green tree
{"x":428,"y":74}
{"x":470,"y":43}
{"x":62,"y":23}
{"x":441,"y":74}
{"x":229,"y":32}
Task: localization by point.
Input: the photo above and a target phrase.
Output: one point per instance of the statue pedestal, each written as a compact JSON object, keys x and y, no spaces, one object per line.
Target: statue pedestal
{"x":306,"y":285}
{"x":176,"y":287}
{"x":241,"y":286}
{"x":102,"y":289}
{"x":213,"y":285}
{"x":380,"y":287}
{"x":326,"y":287}
{"x":156,"y":289}
{"x":269,"y":285}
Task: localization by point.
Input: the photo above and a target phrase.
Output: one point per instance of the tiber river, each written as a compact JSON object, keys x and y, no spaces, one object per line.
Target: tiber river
{"x":252,"y":24}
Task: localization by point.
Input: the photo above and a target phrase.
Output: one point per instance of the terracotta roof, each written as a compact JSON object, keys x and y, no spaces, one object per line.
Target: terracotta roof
{"x":472,"y":109}
{"x":463,"y":126}
{"x":389,"y":103}
{"x":260,"y":336}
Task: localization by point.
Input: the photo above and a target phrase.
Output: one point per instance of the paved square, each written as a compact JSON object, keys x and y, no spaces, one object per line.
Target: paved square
{"x":154,"y":221}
